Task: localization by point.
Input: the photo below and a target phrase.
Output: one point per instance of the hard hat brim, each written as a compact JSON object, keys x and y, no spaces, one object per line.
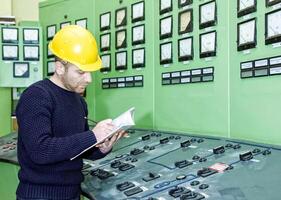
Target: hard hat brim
{"x":90,"y":67}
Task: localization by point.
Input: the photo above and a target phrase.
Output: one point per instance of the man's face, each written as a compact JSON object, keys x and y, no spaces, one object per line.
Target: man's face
{"x":74,"y":79}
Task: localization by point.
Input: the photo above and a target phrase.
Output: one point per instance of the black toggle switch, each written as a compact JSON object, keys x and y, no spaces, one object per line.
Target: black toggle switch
{"x":218,"y":150}
{"x":151,"y":176}
{"x":192,"y":196}
{"x":146,"y":137}
{"x":246,"y":156}
{"x":136,"y":151}
{"x":124,"y":186}
{"x":126,"y":167}
{"x":206,"y":172}
{"x":186,"y":144}
{"x":133,"y":191}
{"x":183,"y":163}
{"x":178,"y":191}
{"x":101,"y":174}
{"x":116,"y":164}
{"x":164,"y":140}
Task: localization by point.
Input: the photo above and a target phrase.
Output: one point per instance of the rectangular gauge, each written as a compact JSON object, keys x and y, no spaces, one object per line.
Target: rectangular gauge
{"x":166,"y":55}
{"x":63,"y":24}
{"x":105,"y":19}
{"x":207,"y":14}
{"x":138,"y":11}
{"x":185,"y":49}
{"x":105,"y":42}
{"x":21,"y":70}
{"x":121,"y":39}
{"x":185,"y":22}
{"x":165,"y":6}
{"x":10,"y":52}
{"x":51,"y":31}
{"x":121,"y":60}
{"x":51,"y":66}
{"x":138,"y":58}
{"x":49,"y":52}
{"x":208,"y":43}
{"x":138,"y":34}
{"x":10,"y":35}
{"x":166,"y":27}
{"x":106,"y":63}
{"x":273,"y":27}
{"x":82,"y":22}
{"x":245,"y":7}
{"x":31,"y":52}
{"x":272,"y":2}
{"x":246,"y":35}
{"x":30,"y":35}
{"x":121,"y":17}
{"x":182,"y":3}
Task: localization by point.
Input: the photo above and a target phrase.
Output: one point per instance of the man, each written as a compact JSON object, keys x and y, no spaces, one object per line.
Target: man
{"x":52,"y":122}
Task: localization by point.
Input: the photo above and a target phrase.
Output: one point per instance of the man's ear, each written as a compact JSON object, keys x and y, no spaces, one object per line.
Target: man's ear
{"x":60,"y":68}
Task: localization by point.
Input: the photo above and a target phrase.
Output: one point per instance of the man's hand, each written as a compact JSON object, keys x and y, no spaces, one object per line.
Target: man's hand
{"x":107,"y":145}
{"x":102,"y":129}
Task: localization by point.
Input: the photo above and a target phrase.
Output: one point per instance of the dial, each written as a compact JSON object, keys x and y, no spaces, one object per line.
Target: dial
{"x":138,"y":11}
{"x":138,"y":34}
{"x":166,"y":27}
{"x":121,"y":59}
{"x":105,"y":41}
{"x":185,"y":49}
{"x":51,"y":31}
{"x":121,"y":19}
{"x":207,"y":14}
{"x":273,"y":24}
{"x":105,"y":61}
{"x":51,"y":66}
{"x":182,"y":3}
{"x":185,"y":21}
{"x":138,"y":57}
{"x":64,"y":24}
{"x":82,"y":23}
{"x":165,"y":6}
{"x":10,"y":52}
{"x":244,"y":4}
{"x":208,"y":44}
{"x":105,"y":21}
{"x":166,"y":53}
{"x":246,"y":32}
{"x":31,"y":35}
{"x":31,"y":52}
{"x":21,"y":70}
{"x":121,"y":39}
{"x":9,"y":34}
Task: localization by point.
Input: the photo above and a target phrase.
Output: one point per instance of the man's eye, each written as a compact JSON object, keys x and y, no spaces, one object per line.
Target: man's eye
{"x":81,"y":72}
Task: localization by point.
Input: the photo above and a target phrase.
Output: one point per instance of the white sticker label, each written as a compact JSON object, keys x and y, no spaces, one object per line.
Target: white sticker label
{"x":138,"y":78}
{"x":105,"y":80}
{"x":166,"y":75}
{"x":246,"y":65}
{"x":113,"y":80}
{"x":175,"y":74}
{"x":275,"y":70}
{"x":121,"y":79}
{"x":185,"y":80}
{"x":275,"y":61}
{"x":129,"y":79}
{"x":121,"y":85}
{"x":208,"y":71}
{"x":260,"y":63}
{"x":185,"y":73}
{"x":196,"y":72}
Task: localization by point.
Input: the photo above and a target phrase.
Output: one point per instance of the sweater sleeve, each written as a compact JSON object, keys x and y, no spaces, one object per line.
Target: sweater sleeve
{"x":34,"y":119}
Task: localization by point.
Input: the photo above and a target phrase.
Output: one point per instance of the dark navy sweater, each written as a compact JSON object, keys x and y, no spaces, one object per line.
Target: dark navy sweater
{"x":52,"y":129}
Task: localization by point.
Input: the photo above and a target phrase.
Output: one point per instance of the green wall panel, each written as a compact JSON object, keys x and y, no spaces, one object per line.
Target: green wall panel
{"x":112,"y":102}
{"x":5,"y":111}
{"x":255,"y":102}
{"x":200,"y":108}
{"x":228,"y":107}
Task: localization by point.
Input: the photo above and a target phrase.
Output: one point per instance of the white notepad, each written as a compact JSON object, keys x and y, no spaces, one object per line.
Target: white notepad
{"x":122,"y":122}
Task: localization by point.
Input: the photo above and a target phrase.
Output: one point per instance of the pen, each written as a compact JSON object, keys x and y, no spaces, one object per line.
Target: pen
{"x":90,"y":120}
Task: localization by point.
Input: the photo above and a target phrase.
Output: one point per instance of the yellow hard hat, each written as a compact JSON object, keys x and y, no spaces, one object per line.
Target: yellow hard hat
{"x":78,"y":46}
